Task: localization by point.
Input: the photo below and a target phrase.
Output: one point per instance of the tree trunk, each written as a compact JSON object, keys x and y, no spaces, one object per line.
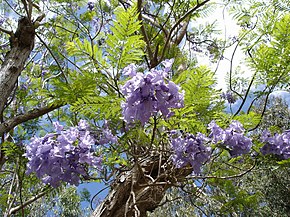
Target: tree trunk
{"x":21,"y":43}
{"x":141,"y":189}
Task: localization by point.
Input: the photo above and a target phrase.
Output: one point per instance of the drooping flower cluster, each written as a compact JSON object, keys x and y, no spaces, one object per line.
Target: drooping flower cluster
{"x":189,"y":149}
{"x":147,"y":94}
{"x":232,"y":138}
{"x":229,"y":97}
{"x":196,"y":150}
{"x":62,"y":156}
{"x":278,"y":144}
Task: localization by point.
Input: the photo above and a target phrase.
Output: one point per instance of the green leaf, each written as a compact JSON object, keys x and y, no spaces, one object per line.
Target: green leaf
{"x":124,"y":46}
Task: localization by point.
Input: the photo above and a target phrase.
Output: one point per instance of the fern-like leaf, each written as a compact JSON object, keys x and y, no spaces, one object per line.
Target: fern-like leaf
{"x":124,"y":46}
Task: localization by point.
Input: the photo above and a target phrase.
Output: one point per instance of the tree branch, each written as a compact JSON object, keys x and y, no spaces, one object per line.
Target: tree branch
{"x":143,"y":31}
{"x":22,"y":43}
{"x":182,"y":33}
{"x":225,"y":177}
{"x":177,"y":23}
{"x":26,"y":203}
{"x":35,"y":113}
{"x":147,"y":185}
{"x":6,"y":31}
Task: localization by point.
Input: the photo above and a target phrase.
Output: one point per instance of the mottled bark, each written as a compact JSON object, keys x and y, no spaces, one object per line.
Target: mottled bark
{"x":21,"y":43}
{"x":140,"y":190}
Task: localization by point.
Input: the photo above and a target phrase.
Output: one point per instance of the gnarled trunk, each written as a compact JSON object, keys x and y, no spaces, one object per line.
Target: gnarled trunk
{"x":141,"y":189}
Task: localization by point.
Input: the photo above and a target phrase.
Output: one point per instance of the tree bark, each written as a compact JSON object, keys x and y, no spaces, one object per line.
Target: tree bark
{"x":141,"y":189}
{"x":22,"y":43}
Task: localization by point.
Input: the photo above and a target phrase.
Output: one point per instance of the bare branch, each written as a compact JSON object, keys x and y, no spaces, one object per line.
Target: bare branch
{"x":35,"y":113}
{"x":154,"y":23}
{"x":26,"y":203}
{"x":177,"y":23}
{"x":182,"y":33}
{"x":231,"y":70}
{"x":6,"y":31}
{"x":26,"y":9}
{"x":143,"y":31}
{"x":225,"y":177}
{"x":53,"y":56}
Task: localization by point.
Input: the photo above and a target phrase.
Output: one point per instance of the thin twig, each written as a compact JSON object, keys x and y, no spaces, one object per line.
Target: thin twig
{"x":58,"y":64}
{"x":177,"y":23}
{"x":31,"y":200}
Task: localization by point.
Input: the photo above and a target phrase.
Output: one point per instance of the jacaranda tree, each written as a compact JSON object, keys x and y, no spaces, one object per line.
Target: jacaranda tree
{"x":113,"y":92}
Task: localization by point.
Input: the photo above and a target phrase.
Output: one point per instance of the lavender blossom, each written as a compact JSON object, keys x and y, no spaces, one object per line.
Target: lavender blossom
{"x":148,"y":94}
{"x":229,"y":97}
{"x":232,"y":138}
{"x":62,"y":156}
{"x":189,"y":150}
{"x":107,"y":137}
{"x":2,"y":20}
{"x":91,"y":5}
{"x":278,"y":144}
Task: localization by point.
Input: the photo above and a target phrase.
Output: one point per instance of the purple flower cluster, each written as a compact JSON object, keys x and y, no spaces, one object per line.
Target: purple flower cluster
{"x":232,"y":138}
{"x":107,"y":136}
{"x":278,"y":144}
{"x":147,"y":94}
{"x":189,"y":150}
{"x":229,"y":97}
{"x":62,"y":156}
{"x":91,"y":5}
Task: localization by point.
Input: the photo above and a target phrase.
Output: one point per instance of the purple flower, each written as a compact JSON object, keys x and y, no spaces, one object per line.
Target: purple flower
{"x":2,"y":20}
{"x":232,"y":138}
{"x":229,"y":97}
{"x":91,"y":5}
{"x":58,"y":127}
{"x":62,"y":156}
{"x":278,"y":145}
{"x":44,"y":72}
{"x":167,"y":64}
{"x":107,"y":137}
{"x":83,"y":125}
{"x":130,"y":70}
{"x":95,"y":24}
{"x":147,"y":94}
{"x":24,"y":86}
{"x":217,"y":134}
{"x":189,"y":150}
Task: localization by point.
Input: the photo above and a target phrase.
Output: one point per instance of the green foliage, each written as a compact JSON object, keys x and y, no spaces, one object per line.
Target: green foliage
{"x":69,"y":202}
{"x":66,"y":201}
{"x":11,"y":149}
{"x":249,"y":120}
{"x":87,"y":53}
{"x":85,"y":195}
{"x":272,"y":59}
{"x":124,"y":46}
{"x":78,"y":86}
{"x":103,"y":107}
{"x":201,"y":100}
